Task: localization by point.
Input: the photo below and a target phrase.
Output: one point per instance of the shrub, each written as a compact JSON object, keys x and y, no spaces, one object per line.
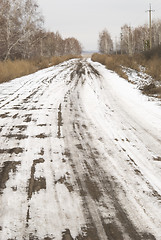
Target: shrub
{"x":154,"y":52}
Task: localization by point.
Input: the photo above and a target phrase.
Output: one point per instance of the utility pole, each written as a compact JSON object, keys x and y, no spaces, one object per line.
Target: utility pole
{"x":150,"y":25}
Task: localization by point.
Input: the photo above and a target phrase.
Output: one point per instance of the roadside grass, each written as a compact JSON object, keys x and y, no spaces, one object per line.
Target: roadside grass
{"x":115,"y":62}
{"x":12,"y":69}
{"x":18,"y":68}
{"x":152,"y":89}
{"x":152,"y":66}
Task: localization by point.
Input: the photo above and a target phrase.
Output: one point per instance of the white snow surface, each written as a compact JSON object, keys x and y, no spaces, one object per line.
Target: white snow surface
{"x":140,"y":78}
{"x":91,"y":143}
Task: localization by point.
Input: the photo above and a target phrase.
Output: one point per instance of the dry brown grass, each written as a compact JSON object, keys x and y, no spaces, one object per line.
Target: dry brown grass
{"x":110,"y":62}
{"x":115,"y":62}
{"x":153,"y":67}
{"x":13,"y":69}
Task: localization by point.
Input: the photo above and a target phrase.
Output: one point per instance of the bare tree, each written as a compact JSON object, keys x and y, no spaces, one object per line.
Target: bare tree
{"x":32,"y":27}
{"x":136,"y":40}
{"x":19,"y":20}
{"x":156,"y":33}
{"x":10,"y":25}
{"x":72,"y":46}
{"x":105,"y":42}
{"x":22,"y":34}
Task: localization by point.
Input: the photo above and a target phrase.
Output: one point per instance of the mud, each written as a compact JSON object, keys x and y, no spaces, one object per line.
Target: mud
{"x":84,"y":126}
{"x":88,"y":233}
{"x":21,"y":127}
{"x":39,"y":183}
{"x":108,"y":186}
{"x":15,"y":150}
{"x":41,"y":152}
{"x":60,"y":121}
{"x":42,"y":135}
{"x":15,"y":116}
{"x":28,"y":216}
{"x":17,"y":107}
{"x":16,"y":136}
{"x":94,"y":71}
{"x":64,"y":180}
{"x":66,"y":235}
{"x":157,"y":159}
{"x":28,"y":98}
{"x":27,"y":118}
{"x":93,"y":189}
{"x":156,"y":194}
{"x":77,"y":72}
{"x":67,"y":153}
{"x":112,"y":231}
{"x":32,"y":237}
{"x":79,"y":146}
{"x":35,"y":185}
{"x":148,"y":236}
{"x":42,"y":125}
{"x":4,"y":115}
{"x":7,"y":167}
{"x":11,"y":239}
{"x":48,"y":238}
{"x":80,"y":70}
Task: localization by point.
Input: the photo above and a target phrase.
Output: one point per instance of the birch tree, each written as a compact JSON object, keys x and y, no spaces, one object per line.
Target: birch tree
{"x":22,"y":35}
{"x":19,"y":21}
{"x":105,"y":42}
{"x":72,"y":46}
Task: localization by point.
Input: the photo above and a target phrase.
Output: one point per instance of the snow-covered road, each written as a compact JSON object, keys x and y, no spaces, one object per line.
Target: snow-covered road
{"x":80,"y":157}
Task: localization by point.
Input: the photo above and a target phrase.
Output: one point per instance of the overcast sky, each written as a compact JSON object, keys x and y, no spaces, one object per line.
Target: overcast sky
{"x":84,"y":19}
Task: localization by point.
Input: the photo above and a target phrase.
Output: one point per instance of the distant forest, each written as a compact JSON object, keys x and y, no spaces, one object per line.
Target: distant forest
{"x":22,"y":33}
{"x":132,"y":40}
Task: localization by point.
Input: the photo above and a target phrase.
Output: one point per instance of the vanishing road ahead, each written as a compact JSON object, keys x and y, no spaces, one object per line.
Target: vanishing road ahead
{"x":80,"y":157}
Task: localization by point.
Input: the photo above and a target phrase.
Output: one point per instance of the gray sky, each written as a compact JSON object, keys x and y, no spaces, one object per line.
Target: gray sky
{"x":84,"y":19}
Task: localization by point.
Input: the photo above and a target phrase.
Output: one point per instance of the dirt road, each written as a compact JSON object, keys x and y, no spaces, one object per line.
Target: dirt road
{"x":80,"y":153}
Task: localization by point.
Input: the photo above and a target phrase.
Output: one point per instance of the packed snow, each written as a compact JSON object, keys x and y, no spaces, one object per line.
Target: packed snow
{"x":80,"y":156}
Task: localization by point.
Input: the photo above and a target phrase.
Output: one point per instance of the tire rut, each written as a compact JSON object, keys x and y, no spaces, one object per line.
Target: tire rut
{"x":95,"y":182}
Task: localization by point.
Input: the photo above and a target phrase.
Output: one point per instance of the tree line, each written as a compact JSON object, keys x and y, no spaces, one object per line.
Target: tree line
{"x":22,"y":33}
{"x":132,"y":40}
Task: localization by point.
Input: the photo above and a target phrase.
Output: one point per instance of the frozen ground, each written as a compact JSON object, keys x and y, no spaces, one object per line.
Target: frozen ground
{"x":80,"y":156}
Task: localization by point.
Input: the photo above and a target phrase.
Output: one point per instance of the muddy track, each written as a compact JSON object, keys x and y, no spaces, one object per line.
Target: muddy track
{"x":76,"y":162}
